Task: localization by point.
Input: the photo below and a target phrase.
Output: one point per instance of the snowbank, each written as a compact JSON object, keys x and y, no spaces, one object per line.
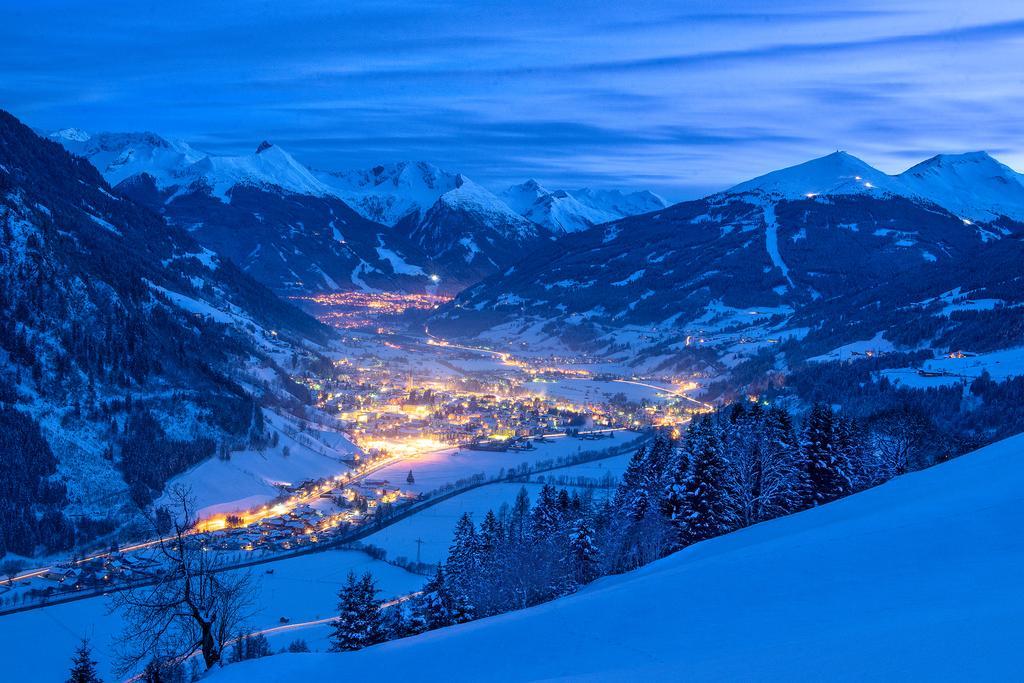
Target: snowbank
{"x":918,"y":578}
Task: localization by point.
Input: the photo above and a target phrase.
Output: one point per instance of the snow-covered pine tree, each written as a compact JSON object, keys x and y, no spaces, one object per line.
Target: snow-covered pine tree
{"x":492,"y":554}
{"x":394,"y":622}
{"x":83,"y":667}
{"x":546,"y":518}
{"x":518,"y":519}
{"x":828,"y":469}
{"x":707,"y":504}
{"x":784,"y":484}
{"x":674,"y":494}
{"x":432,"y":608}
{"x":639,"y":529}
{"x":359,"y":622}
{"x":584,"y":553}
{"x":463,"y":569}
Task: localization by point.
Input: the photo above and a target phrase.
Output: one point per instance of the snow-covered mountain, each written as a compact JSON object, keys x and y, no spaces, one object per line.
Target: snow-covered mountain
{"x":563,"y":211}
{"x":268,"y":166}
{"x":121,"y":155}
{"x":265,"y":211}
{"x":974,"y":186}
{"x":105,"y":307}
{"x":392,"y":193}
{"x":838,"y":173}
{"x":882,"y":585}
{"x":831,"y":252}
{"x":475,"y":234}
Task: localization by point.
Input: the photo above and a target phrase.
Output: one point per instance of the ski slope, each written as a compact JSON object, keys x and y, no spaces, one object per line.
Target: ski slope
{"x":917,"y":579}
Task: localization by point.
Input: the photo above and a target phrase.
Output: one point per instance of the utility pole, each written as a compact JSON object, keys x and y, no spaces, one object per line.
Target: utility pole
{"x":419,"y":544}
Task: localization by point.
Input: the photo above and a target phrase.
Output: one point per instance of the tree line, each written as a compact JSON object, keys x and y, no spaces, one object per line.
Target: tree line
{"x":742,"y":465}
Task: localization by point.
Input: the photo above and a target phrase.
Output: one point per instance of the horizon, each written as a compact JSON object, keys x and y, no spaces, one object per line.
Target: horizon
{"x":496,"y":189}
{"x":682,"y":103}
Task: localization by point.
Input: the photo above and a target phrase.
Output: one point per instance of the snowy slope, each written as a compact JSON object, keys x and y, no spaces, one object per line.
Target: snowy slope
{"x":972,"y":185}
{"x":300,"y":589}
{"x":916,"y":579}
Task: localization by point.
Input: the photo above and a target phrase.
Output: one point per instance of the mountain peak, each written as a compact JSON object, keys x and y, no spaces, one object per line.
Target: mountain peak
{"x":973,"y":185}
{"x":263,"y":146}
{"x":835,"y":173}
{"x":71,"y":134}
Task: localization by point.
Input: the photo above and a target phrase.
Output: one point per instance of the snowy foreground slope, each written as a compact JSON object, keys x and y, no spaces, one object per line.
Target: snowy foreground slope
{"x":919,"y":578}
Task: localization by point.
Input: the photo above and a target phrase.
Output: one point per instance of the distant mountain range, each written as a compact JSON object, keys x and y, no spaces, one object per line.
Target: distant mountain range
{"x":827,"y":252}
{"x":404,"y":226}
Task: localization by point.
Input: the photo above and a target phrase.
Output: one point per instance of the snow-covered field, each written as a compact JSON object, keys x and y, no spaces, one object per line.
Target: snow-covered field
{"x":591,"y":391}
{"x":301,"y":589}
{"x":1001,"y":365}
{"x":434,"y":526}
{"x":433,"y":470}
{"x":917,"y":579}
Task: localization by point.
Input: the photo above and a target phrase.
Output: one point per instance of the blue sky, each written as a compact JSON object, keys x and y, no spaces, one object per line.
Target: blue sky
{"x":682,"y":97}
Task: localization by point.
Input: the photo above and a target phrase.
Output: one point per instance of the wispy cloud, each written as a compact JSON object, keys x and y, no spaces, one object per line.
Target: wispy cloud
{"x":574,"y":92}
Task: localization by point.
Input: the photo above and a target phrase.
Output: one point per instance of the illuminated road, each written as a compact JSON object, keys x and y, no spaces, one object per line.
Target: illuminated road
{"x":219,"y":522}
{"x":666,"y":390}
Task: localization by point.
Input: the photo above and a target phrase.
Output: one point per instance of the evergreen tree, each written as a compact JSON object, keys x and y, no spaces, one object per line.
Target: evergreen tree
{"x":432,"y":608}
{"x":463,"y":569}
{"x":410,"y":479}
{"x":492,"y":551}
{"x":546,"y":517}
{"x":394,"y":622}
{"x":518,"y":521}
{"x":827,"y":466}
{"x":584,"y":553}
{"x":674,"y":495}
{"x":359,"y":622}
{"x":707,"y":504}
{"x":298,"y":645}
{"x":83,"y":668}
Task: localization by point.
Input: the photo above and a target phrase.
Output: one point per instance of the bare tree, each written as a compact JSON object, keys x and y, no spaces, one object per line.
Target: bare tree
{"x":193,"y":606}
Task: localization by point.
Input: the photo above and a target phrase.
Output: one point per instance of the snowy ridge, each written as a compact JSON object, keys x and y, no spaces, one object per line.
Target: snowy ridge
{"x":837,"y":173}
{"x":871,"y":587}
{"x":974,"y":186}
{"x":389,"y":193}
{"x":572,"y":211}
{"x":122,"y":155}
{"x":269,"y":165}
